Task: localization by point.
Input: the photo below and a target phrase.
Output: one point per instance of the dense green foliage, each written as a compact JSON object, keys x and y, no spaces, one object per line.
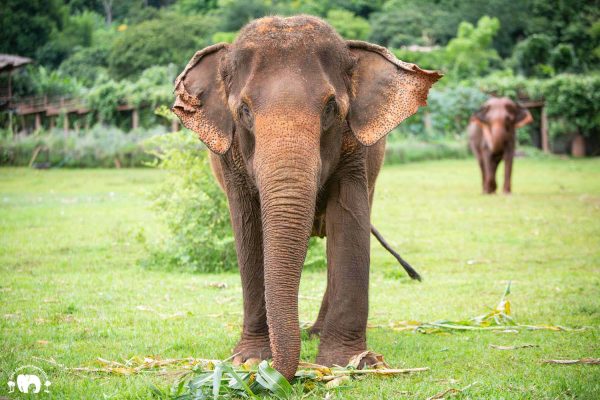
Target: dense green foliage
{"x":171,"y":38}
{"x":572,"y":101}
{"x":128,"y":52}
{"x":192,"y":206}
{"x":562,"y":34}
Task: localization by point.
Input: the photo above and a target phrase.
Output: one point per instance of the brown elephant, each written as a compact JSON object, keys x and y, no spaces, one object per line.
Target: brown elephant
{"x":492,"y":138}
{"x":295,"y":118}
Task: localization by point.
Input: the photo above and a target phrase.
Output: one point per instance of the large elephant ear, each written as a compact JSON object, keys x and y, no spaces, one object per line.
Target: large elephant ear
{"x":523,"y":116}
{"x":386,"y":91}
{"x":200,"y":100}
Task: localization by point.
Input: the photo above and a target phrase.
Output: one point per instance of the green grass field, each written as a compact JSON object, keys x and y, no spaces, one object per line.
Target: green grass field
{"x":72,"y":288}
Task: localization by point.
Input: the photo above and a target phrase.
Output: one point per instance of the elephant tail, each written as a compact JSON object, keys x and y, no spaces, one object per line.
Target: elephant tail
{"x":407,"y":267}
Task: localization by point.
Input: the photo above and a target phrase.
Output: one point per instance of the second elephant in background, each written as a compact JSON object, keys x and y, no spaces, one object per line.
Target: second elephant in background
{"x":492,"y":138}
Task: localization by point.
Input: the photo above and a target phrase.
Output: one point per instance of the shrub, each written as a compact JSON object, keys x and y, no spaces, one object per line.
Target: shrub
{"x":195,"y":211}
{"x":101,"y":146}
{"x":575,"y":100}
{"x":447,"y":114}
{"x":192,"y":206}
{"x":411,"y":150}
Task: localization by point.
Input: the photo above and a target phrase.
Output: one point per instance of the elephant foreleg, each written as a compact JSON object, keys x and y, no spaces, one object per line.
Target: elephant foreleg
{"x":318,"y":325}
{"x":490,"y":163}
{"x":508,"y":164}
{"x":481,"y":167}
{"x":247,"y":228}
{"x":343,"y":333}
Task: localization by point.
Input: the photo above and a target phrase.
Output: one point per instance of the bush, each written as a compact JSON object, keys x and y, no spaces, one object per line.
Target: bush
{"x":575,"y":100}
{"x":447,"y":114}
{"x":411,"y":150}
{"x":101,"y":146}
{"x":195,"y":211}
{"x":193,"y":207}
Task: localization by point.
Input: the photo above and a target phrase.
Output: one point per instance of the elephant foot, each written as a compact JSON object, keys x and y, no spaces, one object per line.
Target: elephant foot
{"x":252,"y":350}
{"x":340,"y":354}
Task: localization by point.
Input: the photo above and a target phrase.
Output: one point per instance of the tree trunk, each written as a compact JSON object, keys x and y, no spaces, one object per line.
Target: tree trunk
{"x":578,"y":146}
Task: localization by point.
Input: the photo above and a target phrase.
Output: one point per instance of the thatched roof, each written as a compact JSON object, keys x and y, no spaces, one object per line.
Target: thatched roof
{"x":9,"y":61}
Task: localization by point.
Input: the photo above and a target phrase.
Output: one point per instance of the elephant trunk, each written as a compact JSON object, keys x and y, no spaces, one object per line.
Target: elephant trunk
{"x":498,"y":137}
{"x":287,"y":178}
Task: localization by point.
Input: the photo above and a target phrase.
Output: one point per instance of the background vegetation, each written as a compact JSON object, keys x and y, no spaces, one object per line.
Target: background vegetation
{"x":112,"y":53}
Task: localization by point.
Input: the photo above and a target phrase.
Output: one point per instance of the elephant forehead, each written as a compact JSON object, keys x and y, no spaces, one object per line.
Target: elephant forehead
{"x":298,"y":33}
{"x":499,"y":102}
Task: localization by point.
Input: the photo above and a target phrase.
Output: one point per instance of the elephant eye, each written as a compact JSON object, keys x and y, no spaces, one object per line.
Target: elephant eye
{"x":329,"y":114}
{"x":246,"y":116}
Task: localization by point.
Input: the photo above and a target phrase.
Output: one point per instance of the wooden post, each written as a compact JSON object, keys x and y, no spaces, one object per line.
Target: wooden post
{"x":9,"y":87}
{"x":174,"y":125}
{"x":10,"y":123}
{"x":578,"y":145}
{"x":38,"y":122}
{"x":52,"y":122}
{"x":544,"y":129}
{"x":135,"y":119}
{"x":66,"y":124}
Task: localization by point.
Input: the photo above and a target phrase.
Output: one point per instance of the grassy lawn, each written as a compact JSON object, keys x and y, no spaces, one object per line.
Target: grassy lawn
{"x":72,"y":289}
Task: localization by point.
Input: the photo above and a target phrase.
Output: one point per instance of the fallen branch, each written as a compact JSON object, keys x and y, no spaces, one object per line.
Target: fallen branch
{"x":451,"y":391}
{"x":587,"y":360}
{"x":522,"y":346}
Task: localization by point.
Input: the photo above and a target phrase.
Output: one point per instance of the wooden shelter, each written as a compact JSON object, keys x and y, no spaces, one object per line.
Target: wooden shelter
{"x":9,"y":63}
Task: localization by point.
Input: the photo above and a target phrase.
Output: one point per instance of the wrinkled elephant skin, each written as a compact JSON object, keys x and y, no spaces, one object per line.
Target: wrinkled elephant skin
{"x":296,"y":120}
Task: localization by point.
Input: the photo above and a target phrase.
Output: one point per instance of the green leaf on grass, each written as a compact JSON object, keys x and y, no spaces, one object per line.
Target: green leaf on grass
{"x":217,"y":376}
{"x":242,"y":382}
{"x":272,"y":380}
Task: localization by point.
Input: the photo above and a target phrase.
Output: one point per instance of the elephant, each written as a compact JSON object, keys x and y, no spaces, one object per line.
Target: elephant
{"x":295,"y":118}
{"x":492,"y":137}
{"x":25,"y":381}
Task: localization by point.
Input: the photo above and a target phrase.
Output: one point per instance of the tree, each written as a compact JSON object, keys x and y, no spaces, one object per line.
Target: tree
{"x":171,"y":38}
{"x":531,"y":56}
{"x":471,"y":53}
{"x":563,"y":58}
{"x":77,"y":32}
{"x":236,"y":13}
{"x":86,"y":64}
{"x":27,"y":25}
{"x":348,"y":25}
